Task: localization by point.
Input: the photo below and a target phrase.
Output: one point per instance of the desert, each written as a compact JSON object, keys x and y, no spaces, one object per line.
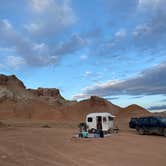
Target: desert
{"x":33,"y":145}
{"x":38,"y":127}
{"x":82,"y":82}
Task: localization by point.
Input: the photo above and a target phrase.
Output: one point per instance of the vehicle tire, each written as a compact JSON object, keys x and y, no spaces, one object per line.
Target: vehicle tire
{"x":164,"y":132}
{"x":111,"y":131}
{"x":141,"y":131}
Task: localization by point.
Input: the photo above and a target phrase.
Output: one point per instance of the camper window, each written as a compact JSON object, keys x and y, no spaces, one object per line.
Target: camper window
{"x":110,"y":118}
{"x":104,"y":119}
{"x":90,"y":119}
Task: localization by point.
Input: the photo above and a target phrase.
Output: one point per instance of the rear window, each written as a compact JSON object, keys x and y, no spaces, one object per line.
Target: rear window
{"x":90,"y":119}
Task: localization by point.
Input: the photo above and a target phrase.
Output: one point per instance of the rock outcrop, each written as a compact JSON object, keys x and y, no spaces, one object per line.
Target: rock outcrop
{"x":6,"y":94}
{"x":49,"y":92}
{"x":95,"y":100}
{"x":11,"y":81}
{"x":47,"y":104}
{"x":13,"y":89}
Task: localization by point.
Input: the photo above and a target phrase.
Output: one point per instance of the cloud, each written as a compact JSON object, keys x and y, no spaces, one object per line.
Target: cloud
{"x":42,"y":5}
{"x":156,"y":108}
{"x":150,"y":4}
{"x":164,"y":100}
{"x":88,"y":73}
{"x":83,"y":57}
{"x":151,"y":33}
{"x":94,"y":33}
{"x":50,"y":17}
{"x":1,"y":65}
{"x":136,"y":97}
{"x":149,"y":82}
{"x":120,"y":8}
{"x":81,"y":96}
{"x":120,"y":33}
{"x":144,"y":29}
{"x":14,"y":61}
{"x":114,"y":47}
{"x":93,"y":76}
{"x":36,"y":54}
{"x":111,"y":98}
{"x":73,"y":44}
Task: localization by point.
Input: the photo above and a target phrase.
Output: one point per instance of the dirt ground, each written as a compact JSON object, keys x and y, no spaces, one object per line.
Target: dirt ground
{"x":38,"y":146}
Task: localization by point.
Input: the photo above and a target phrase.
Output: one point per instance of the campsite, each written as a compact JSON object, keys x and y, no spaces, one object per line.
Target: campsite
{"x":38,"y":127}
{"x":82,"y":82}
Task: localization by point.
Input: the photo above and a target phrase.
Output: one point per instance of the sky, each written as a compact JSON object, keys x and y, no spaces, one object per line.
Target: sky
{"x":109,"y":48}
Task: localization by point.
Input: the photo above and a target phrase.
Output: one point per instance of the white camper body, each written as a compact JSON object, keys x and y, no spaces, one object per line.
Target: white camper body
{"x":105,"y":118}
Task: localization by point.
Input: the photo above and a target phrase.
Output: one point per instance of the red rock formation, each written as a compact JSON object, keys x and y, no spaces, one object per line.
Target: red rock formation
{"x":95,"y":100}
{"x":47,"y":103}
{"x":10,"y":81}
{"x":49,"y":92}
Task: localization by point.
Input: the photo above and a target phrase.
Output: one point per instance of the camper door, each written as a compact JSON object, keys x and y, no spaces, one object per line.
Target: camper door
{"x":99,"y":124}
{"x":102,"y":123}
{"x":105,"y":123}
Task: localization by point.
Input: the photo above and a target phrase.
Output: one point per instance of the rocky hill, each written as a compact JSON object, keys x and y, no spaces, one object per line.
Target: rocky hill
{"x":133,"y":110}
{"x":47,"y":104}
{"x":126,"y":113}
{"x":18,"y":102}
{"x":11,"y":88}
{"x":79,"y":110}
{"x":11,"y":81}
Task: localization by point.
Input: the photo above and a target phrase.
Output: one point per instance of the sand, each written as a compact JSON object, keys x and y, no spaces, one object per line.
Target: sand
{"x":32,"y":145}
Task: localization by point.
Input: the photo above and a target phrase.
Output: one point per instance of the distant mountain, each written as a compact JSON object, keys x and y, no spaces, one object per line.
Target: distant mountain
{"x":126,"y":113}
{"x":79,"y":110}
{"x":134,"y":110}
{"x":47,"y":104}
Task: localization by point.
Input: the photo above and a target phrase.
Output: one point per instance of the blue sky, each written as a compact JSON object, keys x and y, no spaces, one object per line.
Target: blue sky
{"x":111,"y":48}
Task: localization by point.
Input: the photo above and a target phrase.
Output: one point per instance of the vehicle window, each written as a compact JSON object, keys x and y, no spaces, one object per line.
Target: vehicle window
{"x":104,"y":119}
{"x":90,"y":119}
{"x":134,"y":119}
{"x":153,"y":121}
{"x":110,"y":118}
{"x":163,"y":120}
{"x":140,"y":120}
{"x":145,"y":121}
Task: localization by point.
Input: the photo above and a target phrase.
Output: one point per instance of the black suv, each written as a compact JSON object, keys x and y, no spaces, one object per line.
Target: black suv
{"x":149,"y":125}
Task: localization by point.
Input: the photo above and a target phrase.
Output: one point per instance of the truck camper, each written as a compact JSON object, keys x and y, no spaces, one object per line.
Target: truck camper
{"x":103,"y":120}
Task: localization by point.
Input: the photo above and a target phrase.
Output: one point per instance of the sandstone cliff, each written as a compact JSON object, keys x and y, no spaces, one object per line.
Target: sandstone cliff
{"x":48,"y":104}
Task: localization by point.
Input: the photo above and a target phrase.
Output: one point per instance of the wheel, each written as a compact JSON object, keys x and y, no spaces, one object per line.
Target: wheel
{"x":164,"y":132}
{"x":110,"y":131}
{"x":141,"y":131}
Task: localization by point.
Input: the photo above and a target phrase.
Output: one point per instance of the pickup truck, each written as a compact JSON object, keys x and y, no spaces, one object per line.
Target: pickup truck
{"x":149,"y":125}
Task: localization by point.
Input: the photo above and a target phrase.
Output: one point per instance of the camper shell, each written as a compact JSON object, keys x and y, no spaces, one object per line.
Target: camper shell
{"x":105,"y":119}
